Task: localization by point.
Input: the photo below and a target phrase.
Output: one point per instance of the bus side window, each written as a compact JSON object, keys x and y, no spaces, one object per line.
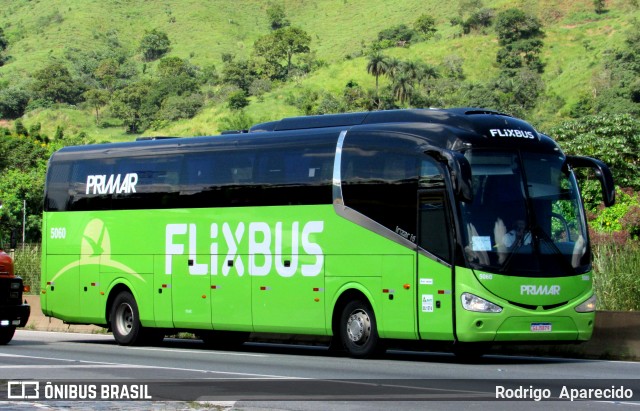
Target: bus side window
{"x":58,"y":188}
{"x":434,"y":224}
{"x":381,"y":184}
{"x":433,"y":219}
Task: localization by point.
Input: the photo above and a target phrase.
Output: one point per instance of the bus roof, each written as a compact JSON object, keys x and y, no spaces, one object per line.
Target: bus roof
{"x":454,"y":128}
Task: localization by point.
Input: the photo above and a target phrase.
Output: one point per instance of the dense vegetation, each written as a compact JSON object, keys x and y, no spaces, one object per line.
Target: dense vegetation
{"x":83,"y":71}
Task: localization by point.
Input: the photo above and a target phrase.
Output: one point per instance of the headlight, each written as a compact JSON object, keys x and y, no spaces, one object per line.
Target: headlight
{"x":472,"y":302}
{"x":15,"y":286}
{"x":588,"y":306}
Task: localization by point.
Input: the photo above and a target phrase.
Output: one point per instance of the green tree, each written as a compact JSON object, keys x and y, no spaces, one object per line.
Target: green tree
{"x":239,"y":73}
{"x":20,"y":153}
{"x":16,"y":187}
{"x":377,"y":65}
{"x":394,"y":68}
{"x":282,"y":45}
{"x":620,"y":90}
{"x":177,"y":107}
{"x":176,"y":77}
{"x":520,"y":36}
{"x":401,"y":32}
{"x":22,"y":166}
{"x":107,"y":74}
{"x":514,"y":25}
{"x":522,"y":53}
{"x":277,"y":16}
{"x":237,"y":100}
{"x":403,"y":87}
{"x":13,"y":102}
{"x":55,"y":83}
{"x":614,"y":139}
{"x":426,"y":25}
{"x":154,"y":44}
{"x":130,"y":105}
{"x":96,"y":98}
{"x":452,"y":67}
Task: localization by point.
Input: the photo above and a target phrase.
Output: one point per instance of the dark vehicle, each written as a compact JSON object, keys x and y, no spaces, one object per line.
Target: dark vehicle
{"x":13,"y":312}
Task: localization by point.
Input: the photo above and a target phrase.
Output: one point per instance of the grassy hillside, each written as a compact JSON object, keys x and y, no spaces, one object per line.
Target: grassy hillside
{"x":201,"y":31}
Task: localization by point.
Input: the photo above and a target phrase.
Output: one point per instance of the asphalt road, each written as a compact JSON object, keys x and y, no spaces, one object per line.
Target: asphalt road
{"x":272,"y":376}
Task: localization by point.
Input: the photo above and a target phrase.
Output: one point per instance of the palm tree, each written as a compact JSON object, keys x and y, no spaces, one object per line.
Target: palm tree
{"x":378,"y":65}
{"x":403,"y":87}
{"x":394,"y":68}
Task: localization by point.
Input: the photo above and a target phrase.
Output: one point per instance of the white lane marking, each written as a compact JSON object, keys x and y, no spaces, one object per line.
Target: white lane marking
{"x":87,"y":364}
{"x":239,"y":354}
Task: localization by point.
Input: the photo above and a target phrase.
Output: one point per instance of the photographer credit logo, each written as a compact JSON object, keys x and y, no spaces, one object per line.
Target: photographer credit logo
{"x":34,"y":390}
{"x":23,"y":390}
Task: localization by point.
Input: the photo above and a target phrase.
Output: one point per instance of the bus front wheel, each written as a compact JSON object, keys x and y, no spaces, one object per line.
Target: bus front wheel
{"x":358,"y":330}
{"x":125,"y":321}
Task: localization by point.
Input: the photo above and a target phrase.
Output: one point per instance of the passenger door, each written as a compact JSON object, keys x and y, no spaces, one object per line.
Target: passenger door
{"x":435,"y":272}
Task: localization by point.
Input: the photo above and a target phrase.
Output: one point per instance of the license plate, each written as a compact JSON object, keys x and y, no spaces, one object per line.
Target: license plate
{"x":540,"y":327}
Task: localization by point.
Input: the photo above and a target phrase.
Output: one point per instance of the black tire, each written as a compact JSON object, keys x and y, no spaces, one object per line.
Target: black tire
{"x":223,"y":339}
{"x":6,"y":334}
{"x":358,"y":331}
{"x":125,"y":320}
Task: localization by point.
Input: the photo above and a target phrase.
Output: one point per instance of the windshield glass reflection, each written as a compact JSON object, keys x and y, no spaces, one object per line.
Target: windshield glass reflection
{"x":526,"y":216}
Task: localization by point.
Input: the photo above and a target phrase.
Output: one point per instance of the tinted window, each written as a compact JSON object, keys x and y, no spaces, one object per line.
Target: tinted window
{"x":290,"y":175}
{"x":381,"y":183}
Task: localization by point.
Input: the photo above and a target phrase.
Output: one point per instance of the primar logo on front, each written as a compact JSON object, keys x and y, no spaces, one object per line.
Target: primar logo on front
{"x":540,"y":290}
{"x":115,"y":184}
{"x":265,"y":244}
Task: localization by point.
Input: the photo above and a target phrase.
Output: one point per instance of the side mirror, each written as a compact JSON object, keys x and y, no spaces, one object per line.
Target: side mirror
{"x":602,"y":173}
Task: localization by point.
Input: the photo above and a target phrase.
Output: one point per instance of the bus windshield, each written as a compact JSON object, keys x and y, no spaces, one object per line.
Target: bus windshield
{"x":526,"y":217}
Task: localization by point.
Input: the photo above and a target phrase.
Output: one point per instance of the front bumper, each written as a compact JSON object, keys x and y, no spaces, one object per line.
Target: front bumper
{"x":14,"y":315}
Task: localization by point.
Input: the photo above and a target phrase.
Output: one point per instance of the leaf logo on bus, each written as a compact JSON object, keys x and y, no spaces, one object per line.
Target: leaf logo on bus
{"x":95,"y":249}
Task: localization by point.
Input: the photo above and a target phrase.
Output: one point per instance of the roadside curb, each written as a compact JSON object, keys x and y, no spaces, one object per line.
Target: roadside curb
{"x":38,"y":321}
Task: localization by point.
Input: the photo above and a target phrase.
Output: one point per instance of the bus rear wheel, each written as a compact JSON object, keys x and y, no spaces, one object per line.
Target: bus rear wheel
{"x":6,"y":334}
{"x":358,"y":330}
{"x":125,"y":320}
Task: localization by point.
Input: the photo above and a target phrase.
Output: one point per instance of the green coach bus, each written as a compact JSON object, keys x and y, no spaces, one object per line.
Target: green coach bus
{"x":460,"y":226}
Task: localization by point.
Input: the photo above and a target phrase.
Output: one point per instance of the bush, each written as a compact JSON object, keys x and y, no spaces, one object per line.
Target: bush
{"x":615,"y":275}
{"x":179,"y":107}
{"x":27,"y":266}
{"x":154,"y":44}
{"x":397,"y":33}
{"x":238,"y":100}
{"x":614,"y":139}
{"x":13,"y":102}
{"x":239,"y":120}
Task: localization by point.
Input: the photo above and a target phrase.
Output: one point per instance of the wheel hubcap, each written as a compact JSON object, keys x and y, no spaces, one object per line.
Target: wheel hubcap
{"x":124,"y":319}
{"x":359,"y":327}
